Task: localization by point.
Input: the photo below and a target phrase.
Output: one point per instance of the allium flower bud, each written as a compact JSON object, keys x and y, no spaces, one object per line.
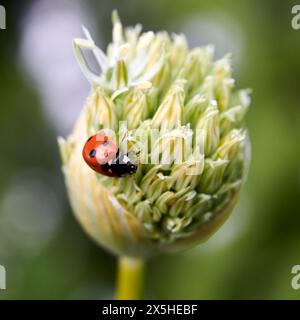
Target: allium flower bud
{"x":180,"y":115}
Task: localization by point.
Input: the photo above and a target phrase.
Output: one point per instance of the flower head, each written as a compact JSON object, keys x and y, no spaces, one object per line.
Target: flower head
{"x":178,"y":113}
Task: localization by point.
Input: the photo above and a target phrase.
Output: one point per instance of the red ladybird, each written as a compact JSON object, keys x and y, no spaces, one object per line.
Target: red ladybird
{"x":102,"y":155}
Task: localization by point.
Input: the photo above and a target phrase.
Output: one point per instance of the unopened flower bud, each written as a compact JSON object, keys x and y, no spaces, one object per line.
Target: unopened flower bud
{"x":177,"y":114}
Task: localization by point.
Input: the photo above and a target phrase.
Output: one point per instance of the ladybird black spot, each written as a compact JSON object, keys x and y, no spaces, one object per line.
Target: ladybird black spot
{"x":92,"y":153}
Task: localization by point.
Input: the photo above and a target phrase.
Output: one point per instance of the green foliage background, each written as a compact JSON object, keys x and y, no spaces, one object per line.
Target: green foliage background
{"x":251,"y":256}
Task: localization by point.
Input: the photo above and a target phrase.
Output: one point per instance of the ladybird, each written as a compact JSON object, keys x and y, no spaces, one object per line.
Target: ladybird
{"x":102,"y":155}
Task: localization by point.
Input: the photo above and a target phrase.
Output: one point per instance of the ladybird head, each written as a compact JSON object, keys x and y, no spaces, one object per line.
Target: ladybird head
{"x":99,"y":150}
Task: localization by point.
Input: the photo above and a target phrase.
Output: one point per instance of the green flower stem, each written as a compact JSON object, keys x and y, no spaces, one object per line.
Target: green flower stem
{"x":130,"y":278}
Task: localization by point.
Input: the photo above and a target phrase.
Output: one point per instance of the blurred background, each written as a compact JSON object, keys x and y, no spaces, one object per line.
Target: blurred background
{"x":44,"y":250}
